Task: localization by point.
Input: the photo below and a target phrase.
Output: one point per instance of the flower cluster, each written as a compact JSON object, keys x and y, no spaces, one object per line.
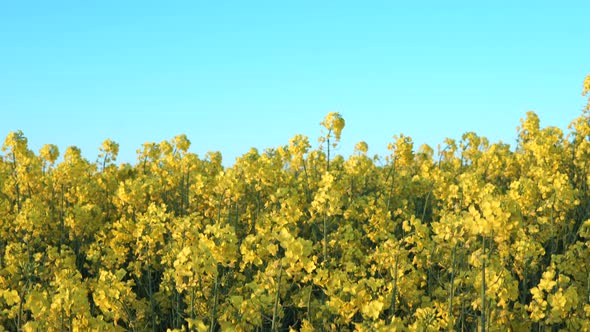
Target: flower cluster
{"x":471,"y":236}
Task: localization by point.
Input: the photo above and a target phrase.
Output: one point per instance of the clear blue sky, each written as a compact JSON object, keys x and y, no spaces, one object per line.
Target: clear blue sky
{"x":239,"y":74}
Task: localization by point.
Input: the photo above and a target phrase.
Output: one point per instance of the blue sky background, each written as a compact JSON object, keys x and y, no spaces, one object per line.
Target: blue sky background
{"x":239,"y":74}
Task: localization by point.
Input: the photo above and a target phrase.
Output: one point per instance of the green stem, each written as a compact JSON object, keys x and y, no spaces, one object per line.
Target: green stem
{"x":325,"y":240}
{"x":394,"y":291}
{"x":451,"y":292}
{"x":309,"y":304}
{"x":275,"y":311}
{"x":215,"y":294}
{"x":483,"y":286}
{"x":152,"y":300}
{"x":328,"y":156}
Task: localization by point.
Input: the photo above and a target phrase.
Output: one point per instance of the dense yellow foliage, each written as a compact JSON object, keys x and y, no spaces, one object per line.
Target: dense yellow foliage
{"x":472,"y":236}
